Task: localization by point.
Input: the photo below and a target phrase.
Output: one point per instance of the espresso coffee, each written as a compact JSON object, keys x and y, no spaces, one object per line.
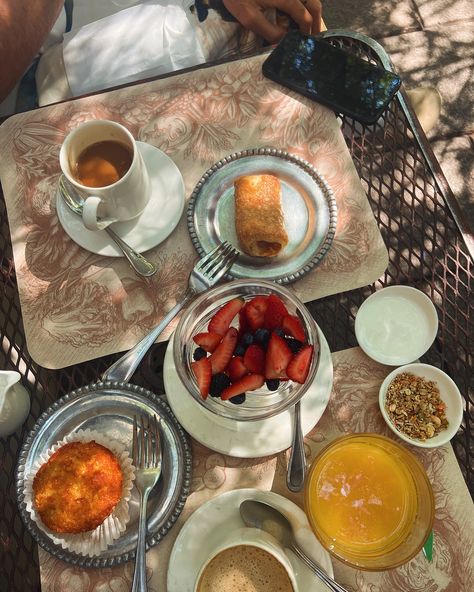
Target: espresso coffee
{"x":103,"y":163}
{"x":244,"y":568}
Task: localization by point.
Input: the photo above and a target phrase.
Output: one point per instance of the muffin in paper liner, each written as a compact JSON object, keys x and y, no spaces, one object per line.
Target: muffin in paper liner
{"x":95,"y":541}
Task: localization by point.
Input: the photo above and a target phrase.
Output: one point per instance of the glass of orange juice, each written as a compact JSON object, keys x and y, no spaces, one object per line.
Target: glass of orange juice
{"x":369,"y":501}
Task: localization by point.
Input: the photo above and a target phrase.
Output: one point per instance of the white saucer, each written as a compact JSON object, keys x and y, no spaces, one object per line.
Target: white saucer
{"x":155,"y":223}
{"x":396,"y":325}
{"x":247,"y":439}
{"x":214,"y":520}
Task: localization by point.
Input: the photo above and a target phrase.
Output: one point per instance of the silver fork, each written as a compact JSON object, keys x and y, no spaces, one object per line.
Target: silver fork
{"x":146,"y":453}
{"x":206,"y":273}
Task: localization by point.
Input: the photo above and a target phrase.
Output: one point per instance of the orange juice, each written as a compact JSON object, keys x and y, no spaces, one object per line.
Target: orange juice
{"x":360,"y":497}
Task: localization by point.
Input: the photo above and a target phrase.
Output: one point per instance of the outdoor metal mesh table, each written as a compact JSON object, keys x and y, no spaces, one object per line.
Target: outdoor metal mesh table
{"x":429,"y":247}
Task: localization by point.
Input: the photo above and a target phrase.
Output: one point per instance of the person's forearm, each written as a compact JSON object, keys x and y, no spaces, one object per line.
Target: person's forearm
{"x":24,"y":25}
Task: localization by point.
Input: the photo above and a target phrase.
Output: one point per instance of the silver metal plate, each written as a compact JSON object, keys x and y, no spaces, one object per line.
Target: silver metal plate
{"x":308,"y":204}
{"x":109,"y":407}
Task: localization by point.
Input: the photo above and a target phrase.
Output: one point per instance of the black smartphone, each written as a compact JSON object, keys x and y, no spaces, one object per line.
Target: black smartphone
{"x":331,"y":76}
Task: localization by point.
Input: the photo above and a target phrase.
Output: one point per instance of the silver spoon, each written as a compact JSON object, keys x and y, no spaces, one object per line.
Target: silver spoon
{"x":297,"y":462}
{"x":73,"y":200}
{"x":261,"y":515}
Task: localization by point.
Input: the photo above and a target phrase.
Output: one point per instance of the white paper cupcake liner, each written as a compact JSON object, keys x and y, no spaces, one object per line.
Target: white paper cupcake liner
{"x":95,"y":541}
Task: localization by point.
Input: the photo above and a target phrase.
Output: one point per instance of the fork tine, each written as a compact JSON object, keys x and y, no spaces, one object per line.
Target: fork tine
{"x":204,"y":268}
{"x":151,"y":442}
{"x":213,"y":255}
{"x":135,"y":442}
{"x":157,"y":447}
{"x":143,"y":433}
{"x":223,"y":265}
{"x":143,"y":449}
{"x":224,"y":270}
{"x":218,"y":261}
{"x":151,"y":455}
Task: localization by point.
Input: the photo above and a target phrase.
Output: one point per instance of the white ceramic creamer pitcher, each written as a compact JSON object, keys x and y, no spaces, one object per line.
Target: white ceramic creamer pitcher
{"x":14,"y":402}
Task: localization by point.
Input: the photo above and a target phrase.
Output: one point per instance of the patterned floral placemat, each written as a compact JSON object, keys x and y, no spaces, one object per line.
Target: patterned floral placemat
{"x":353,"y":407}
{"x":78,"y":306}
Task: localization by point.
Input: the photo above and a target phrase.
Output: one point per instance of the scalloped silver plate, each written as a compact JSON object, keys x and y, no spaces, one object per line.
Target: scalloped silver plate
{"x":109,"y":407}
{"x":308,"y":204}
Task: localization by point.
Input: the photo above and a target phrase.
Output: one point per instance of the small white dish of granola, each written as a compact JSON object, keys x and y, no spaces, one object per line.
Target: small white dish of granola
{"x":421,"y":404}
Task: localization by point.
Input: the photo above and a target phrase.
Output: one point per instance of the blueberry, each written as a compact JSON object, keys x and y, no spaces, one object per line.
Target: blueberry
{"x":272,"y":384}
{"x":279,"y":332}
{"x":240,"y":350}
{"x":247,"y":339}
{"x":219,"y":382}
{"x":262,"y":336}
{"x":238,"y":399}
{"x":294,"y":344}
{"x":199,"y":353}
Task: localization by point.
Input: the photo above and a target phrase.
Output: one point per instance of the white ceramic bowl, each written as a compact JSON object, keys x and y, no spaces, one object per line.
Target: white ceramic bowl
{"x":449,"y":393}
{"x":396,"y":325}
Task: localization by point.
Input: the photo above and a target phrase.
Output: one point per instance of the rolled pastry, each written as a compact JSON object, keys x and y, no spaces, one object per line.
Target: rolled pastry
{"x":258,"y":215}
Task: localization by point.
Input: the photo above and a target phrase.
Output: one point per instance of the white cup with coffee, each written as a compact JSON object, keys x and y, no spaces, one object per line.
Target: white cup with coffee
{"x":248,"y":559}
{"x":101,"y":159}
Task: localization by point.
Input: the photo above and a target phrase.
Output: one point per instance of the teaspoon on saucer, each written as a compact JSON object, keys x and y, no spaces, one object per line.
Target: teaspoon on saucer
{"x":261,"y":515}
{"x":141,"y":265}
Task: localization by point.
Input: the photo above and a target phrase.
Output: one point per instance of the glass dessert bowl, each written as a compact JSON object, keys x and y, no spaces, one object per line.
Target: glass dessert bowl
{"x":260,"y":403}
{"x":369,"y":501}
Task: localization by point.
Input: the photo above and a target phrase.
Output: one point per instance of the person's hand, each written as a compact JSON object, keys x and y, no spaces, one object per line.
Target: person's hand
{"x":250,"y":14}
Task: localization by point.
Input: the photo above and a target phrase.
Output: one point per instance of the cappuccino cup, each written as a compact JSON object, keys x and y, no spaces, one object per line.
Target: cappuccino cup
{"x":250,"y":560}
{"x":101,"y":160}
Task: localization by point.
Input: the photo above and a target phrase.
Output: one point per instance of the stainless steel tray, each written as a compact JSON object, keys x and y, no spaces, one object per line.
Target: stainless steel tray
{"x":108,"y":407}
{"x":308,"y":204}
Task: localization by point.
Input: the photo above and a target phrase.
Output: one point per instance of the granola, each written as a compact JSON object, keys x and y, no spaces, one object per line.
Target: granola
{"x":415,"y":407}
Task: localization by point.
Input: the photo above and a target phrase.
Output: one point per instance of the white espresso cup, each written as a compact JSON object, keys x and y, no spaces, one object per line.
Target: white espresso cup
{"x":122,"y":200}
{"x":250,"y":537}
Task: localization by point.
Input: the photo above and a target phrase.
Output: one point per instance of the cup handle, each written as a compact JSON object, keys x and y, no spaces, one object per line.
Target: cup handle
{"x":89,"y":214}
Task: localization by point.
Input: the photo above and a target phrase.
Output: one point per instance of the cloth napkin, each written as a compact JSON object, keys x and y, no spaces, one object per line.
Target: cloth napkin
{"x":146,"y":39}
{"x":88,"y":11}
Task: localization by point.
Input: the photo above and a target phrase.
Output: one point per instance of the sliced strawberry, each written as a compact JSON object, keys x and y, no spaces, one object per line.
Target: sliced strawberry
{"x":275,"y":313}
{"x":203,"y":373}
{"x":246,"y":383}
{"x":221,"y":321}
{"x":278,"y":357}
{"x":298,"y":368}
{"x":244,"y":326}
{"x":254,"y":359}
{"x":236,"y":368}
{"x":291,"y":325}
{"x":221,"y":356}
{"x":208,"y":341}
{"x":255,"y":312}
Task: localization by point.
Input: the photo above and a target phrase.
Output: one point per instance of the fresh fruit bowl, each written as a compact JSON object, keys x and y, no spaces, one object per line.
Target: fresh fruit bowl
{"x":246,"y":350}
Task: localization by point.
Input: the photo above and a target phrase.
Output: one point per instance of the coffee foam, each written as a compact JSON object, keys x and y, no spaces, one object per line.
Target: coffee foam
{"x":244,"y":568}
